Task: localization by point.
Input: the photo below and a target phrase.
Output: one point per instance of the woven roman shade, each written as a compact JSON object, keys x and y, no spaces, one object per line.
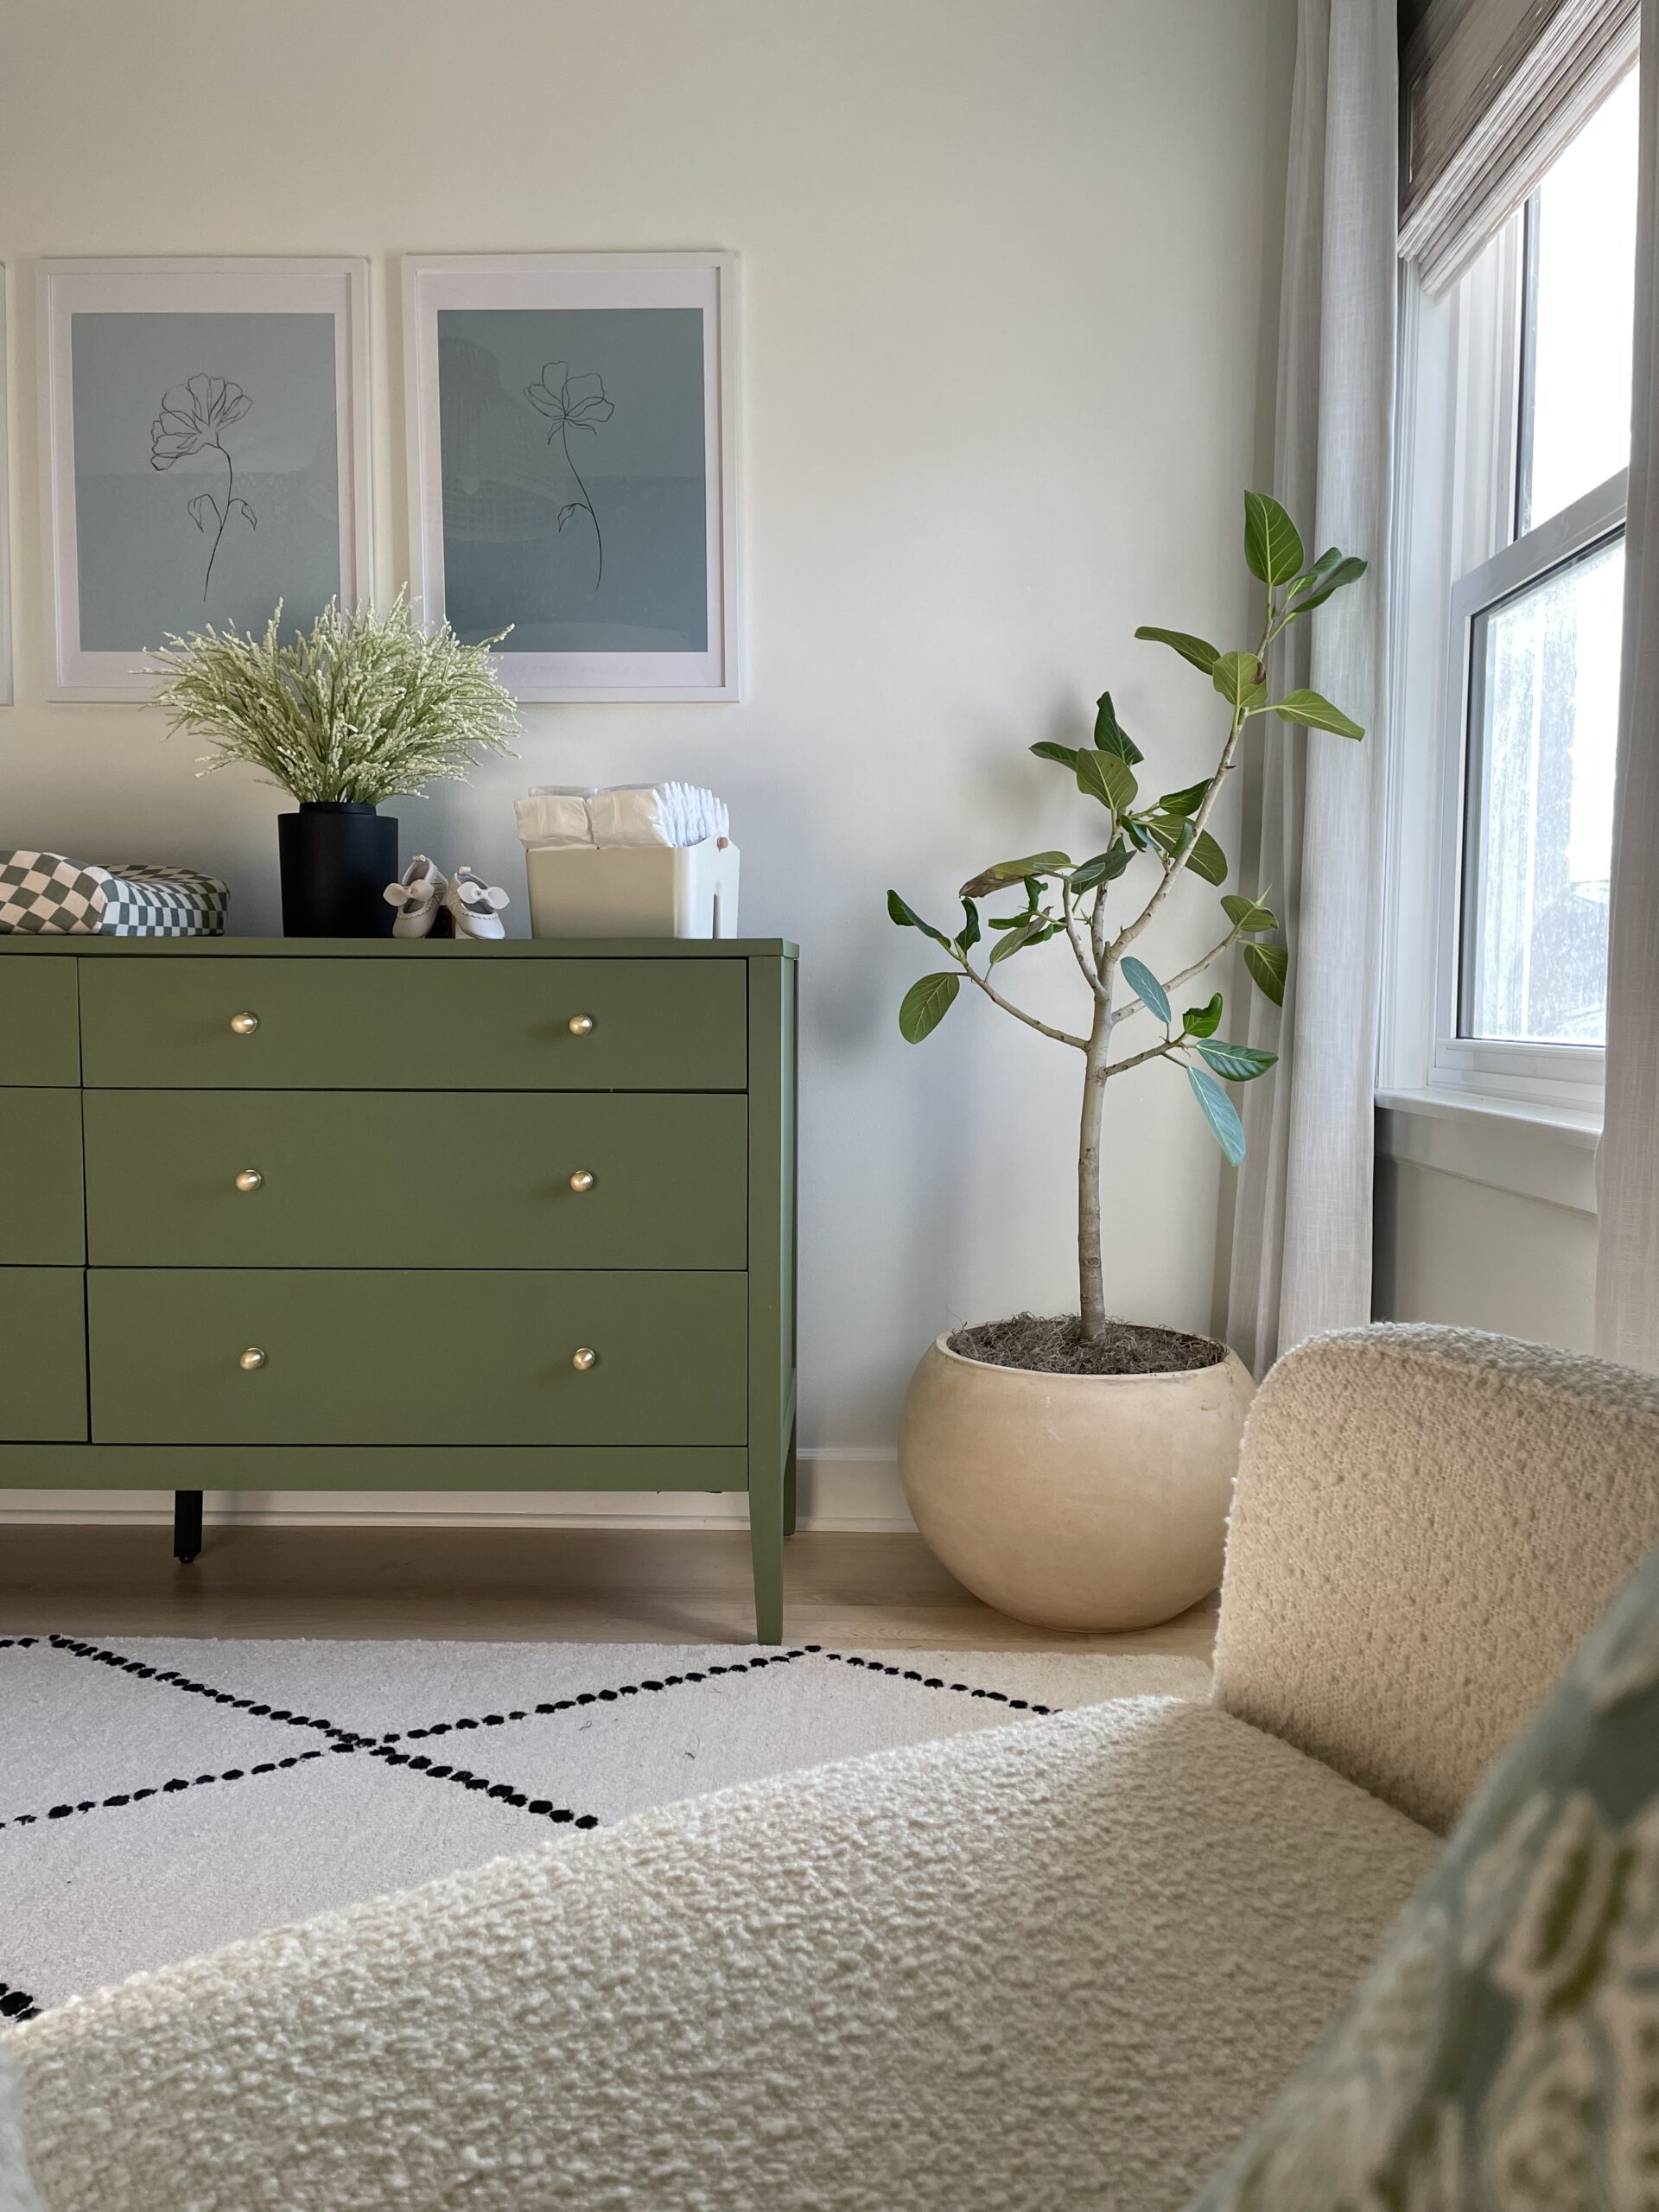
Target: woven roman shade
{"x":1491,"y":91}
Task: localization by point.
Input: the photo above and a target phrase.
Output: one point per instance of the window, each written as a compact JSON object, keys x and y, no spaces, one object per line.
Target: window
{"x":1537,"y":832}
{"x":1579,"y":283}
{"x":1515,"y":391}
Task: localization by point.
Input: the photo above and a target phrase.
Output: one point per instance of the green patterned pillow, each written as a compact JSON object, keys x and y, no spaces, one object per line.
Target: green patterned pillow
{"x":1502,"y":2053}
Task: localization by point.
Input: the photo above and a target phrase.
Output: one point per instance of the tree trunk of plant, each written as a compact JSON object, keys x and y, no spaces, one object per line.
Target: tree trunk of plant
{"x":1090,"y":1294}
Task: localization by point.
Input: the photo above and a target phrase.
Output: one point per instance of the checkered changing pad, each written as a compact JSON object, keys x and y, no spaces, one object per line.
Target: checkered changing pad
{"x":44,"y":894}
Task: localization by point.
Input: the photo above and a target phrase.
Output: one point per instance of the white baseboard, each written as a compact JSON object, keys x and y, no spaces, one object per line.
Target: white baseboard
{"x":839,"y":1489}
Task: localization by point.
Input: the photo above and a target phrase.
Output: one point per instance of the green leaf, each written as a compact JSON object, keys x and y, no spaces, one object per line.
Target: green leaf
{"x":1065,"y":754}
{"x":1031,"y":930}
{"x":985,"y":885}
{"x":969,"y":936}
{"x":1201,"y":854}
{"x":1241,"y":680}
{"x":1110,"y":736}
{"x":1314,"y":712}
{"x":1248,"y":916}
{"x":1188,"y":647}
{"x":1147,"y":989}
{"x":1202,"y":1021}
{"x":1269,"y":965}
{"x":908,"y":919}
{"x":1314,"y":574}
{"x":1103,"y":868}
{"x":926,"y":1005}
{"x":1206,"y":858}
{"x":1220,"y":1112}
{"x":1107,"y":777}
{"x":1033,"y":864}
{"x":1137,"y":833}
{"x":1346,"y":572}
{"x":1272,"y":544}
{"x":1238,"y":1063}
{"x":1186,"y":802}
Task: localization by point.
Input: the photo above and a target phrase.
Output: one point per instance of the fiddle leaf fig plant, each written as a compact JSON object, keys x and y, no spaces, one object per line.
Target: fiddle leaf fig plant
{"x":1073,"y":898}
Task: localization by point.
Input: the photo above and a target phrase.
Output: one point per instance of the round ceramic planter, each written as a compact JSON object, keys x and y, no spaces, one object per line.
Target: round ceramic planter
{"x":1083,"y":1502}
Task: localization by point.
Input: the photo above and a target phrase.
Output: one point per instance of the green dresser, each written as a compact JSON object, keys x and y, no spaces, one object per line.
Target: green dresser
{"x":281,"y":1213}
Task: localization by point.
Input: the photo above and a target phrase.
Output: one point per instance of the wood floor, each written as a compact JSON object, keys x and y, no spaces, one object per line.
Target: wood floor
{"x":603,"y":1586}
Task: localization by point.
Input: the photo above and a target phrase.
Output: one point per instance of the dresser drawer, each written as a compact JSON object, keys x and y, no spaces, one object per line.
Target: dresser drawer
{"x":451,"y":1356}
{"x":42,"y":1355}
{"x":414,"y":1178}
{"x":40,"y":1037}
{"x":424,"y":1023}
{"x":41,"y":1210}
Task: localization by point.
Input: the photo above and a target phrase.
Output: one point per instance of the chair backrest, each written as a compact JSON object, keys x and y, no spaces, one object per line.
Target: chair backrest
{"x":1427,"y":1521}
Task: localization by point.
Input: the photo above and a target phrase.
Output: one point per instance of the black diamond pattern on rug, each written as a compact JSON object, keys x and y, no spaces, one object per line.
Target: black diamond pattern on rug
{"x":160,"y":1798}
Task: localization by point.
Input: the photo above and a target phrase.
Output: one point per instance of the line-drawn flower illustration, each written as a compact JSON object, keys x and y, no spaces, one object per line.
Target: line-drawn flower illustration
{"x":193,"y":418}
{"x":577,"y":402}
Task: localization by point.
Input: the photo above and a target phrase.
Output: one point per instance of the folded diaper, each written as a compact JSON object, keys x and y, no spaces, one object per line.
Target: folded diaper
{"x":554,"y":818}
{"x":623,"y":814}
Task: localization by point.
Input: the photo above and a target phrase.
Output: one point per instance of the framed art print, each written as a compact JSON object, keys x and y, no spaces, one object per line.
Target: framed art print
{"x":205,"y":455}
{"x":573,"y":466}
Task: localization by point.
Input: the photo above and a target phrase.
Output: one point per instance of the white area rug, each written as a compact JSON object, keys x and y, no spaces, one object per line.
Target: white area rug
{"x":161,"y":1797}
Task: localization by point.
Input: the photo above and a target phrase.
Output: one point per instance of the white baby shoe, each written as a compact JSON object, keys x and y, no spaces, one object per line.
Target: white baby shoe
{"x":475,"y":906}
{"x":418,"y":897}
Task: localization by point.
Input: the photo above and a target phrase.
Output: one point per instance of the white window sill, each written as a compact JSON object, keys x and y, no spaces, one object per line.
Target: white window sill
{"x":1536,"y":1152}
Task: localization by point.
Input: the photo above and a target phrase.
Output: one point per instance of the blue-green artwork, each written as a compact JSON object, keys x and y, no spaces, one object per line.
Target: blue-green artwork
{"x":206,"y":475}
{"x":573,"y":478}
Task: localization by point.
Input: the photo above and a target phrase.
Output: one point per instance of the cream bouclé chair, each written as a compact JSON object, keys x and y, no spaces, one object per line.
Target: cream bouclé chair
{"x":1058,"y":1965}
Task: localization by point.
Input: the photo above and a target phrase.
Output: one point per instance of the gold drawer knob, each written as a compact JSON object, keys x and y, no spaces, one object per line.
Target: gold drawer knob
{"x":244,"y":1024}
{"x":584,"y":1180}
{"x":583,"y":1358}
{"x":251,"y":1359}
{"x":581,"y":1025}
{"x":249,"y":1179}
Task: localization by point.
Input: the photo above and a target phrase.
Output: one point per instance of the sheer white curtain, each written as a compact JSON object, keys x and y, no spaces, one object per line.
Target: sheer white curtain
{"x":1302,"y":1222}
{"x":1627,"y":1275}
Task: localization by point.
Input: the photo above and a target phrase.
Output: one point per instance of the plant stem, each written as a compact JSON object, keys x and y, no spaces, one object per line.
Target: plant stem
{"x":1070,"y":913}
{"x":1173,"y":863}
{"x":564,"y":439}
{"x":224,"y":516}
{"x":1097,"y":932}
{"x":1185,"y":975}
{"x":1091,"y":1296}
{"x":1169,"y":1046}
{"x":1098,"y":1069}
{"x":1060,"y":1036}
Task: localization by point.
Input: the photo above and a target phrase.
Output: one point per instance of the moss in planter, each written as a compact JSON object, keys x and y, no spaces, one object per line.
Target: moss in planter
{"x":1055,"y":1344}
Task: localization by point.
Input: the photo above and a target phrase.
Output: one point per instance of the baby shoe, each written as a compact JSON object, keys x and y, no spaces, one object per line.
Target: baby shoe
{"x":418,"y":897}
{"x":474,"y":905}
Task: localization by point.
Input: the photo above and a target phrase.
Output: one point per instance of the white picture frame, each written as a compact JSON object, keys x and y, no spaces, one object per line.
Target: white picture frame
{"x":691,"y":568}
{"x":79,"y":666}
{"x":7,"y":694}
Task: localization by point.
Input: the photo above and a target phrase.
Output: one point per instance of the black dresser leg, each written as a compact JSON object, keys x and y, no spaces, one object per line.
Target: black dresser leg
{"x":186,"y":1525}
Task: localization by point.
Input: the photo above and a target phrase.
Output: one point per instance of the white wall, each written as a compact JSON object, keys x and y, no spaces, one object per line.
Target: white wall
{"x":1450,"y":1250}
{"x":1008,"y":278}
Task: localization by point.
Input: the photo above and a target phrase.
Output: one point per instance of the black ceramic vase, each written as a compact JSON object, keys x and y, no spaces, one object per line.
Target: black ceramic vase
{"x":337,"y":857}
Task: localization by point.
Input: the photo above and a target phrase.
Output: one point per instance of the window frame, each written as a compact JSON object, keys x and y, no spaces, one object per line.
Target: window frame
{"x":1462,"y":392}
{"x":1561,"y":1073}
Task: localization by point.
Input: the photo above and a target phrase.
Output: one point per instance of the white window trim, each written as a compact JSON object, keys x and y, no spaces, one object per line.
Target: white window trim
{"x":1561,"y":1075}
{"x":1523,"y":1117}
{"x":1530,"y":1151}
